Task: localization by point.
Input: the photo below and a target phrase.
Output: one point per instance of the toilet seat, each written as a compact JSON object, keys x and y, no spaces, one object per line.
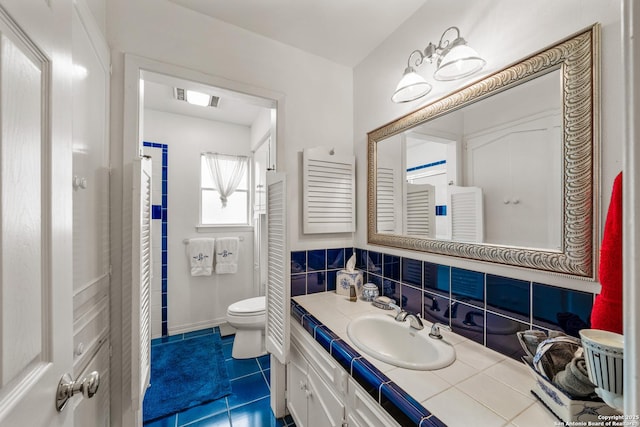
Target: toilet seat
{"x":248,"y":307}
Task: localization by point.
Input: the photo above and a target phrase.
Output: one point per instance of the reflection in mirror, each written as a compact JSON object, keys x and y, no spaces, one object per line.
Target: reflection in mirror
{"x":505,"y":148}
{"x":501,"y":170}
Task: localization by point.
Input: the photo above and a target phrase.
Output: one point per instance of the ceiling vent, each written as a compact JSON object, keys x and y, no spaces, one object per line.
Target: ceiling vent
{"x":181,"y":95}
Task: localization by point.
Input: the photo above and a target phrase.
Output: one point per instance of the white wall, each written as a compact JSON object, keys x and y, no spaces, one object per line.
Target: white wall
{"x":317,"y":104}
{"x":91,"y":261}
{"x":261,"y":127}
{"x":502,"y":31}
{"x":315,"y":107}
{"x":195,"y":302}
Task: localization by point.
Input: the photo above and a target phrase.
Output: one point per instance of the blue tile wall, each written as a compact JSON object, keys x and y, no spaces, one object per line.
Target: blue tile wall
{"x":509,"y":296}
{"x":316,"y":282}
{"x":335,"y":258}
{"x":435,"y":307}
{"x":411,"y":298}
{"x":486,"y":308}
{"x":437,"y":278}
{"x":156,"y":212}
{"x":391,"y":267}
{"x":317,"y":260}
{"x":374,"y":262}
{"x":467,"y":286}
{"x":501,"y":335}
{"x":315,"y":270}
{"x":160,"y":212}
{"x":412,"y":272}
{"x":557,"y":308}
{"x":298,"y":262}
{"x":362,"y":257}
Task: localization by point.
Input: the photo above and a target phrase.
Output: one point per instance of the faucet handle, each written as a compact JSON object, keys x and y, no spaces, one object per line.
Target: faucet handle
{"x":435,"y":330}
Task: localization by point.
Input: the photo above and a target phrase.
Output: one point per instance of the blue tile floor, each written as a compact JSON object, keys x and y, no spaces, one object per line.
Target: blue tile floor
{"x":246,"y":406}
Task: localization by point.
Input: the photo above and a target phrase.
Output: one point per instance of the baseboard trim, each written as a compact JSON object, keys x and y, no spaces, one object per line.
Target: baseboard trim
{"x":182,"y":329}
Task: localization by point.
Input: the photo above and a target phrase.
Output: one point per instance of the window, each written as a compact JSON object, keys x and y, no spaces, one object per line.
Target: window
{"x":213,"y":210}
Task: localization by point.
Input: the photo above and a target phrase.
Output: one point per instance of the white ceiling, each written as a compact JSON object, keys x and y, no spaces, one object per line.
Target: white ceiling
{"x":234,"y":107}
{"x":343,"y":31}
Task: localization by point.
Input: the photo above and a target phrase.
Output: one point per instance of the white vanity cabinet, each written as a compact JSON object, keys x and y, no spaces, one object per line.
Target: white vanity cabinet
{"x":316,"y":384}
{"x":311,"y":401}
{"x":320,"y":393}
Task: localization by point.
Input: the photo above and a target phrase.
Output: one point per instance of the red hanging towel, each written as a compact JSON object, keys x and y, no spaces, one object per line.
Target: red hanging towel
{"x":607,"y":308}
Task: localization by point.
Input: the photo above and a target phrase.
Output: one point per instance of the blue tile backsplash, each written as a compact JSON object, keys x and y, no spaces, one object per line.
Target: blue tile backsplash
{"x":391,"y":267}
{"x":412,"y":272}
{"x":317,"y":260}
{"x":467,"y":286}
{"x":486,"y":308}
{"x":557,"y":308}
{"x":509,"y":296}
{"x":437,"y":278}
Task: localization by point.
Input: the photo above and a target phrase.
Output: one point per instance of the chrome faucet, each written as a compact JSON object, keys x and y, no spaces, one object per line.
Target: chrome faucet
{"x":401,"y":316}
{"x":435,"y":330}
{"x":414,"y":321}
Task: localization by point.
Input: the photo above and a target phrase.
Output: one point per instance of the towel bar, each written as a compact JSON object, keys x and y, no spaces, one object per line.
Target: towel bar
{"x":186,"y":241}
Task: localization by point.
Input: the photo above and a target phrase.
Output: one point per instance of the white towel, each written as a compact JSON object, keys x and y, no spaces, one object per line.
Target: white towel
{"x":227,"y":255}
{"x":200,"y":251}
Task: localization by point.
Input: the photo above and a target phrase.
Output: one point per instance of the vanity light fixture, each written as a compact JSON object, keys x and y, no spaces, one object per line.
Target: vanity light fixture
{"x":454,"y":60}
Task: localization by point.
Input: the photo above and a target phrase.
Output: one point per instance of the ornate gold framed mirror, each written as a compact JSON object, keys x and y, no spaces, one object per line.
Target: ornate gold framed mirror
{"x":503,"y":170}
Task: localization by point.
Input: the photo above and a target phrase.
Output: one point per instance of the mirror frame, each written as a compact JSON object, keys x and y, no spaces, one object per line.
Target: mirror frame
{"x":578,"y":59}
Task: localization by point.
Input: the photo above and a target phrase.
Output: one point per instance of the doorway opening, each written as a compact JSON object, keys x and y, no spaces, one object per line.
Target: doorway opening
{"x":177,"y":131}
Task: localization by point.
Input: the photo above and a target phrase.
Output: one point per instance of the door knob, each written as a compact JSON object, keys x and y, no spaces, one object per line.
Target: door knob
{"x":67,"y":387}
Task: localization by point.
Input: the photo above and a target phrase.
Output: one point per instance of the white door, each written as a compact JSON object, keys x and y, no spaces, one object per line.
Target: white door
{"x":35,"y":210}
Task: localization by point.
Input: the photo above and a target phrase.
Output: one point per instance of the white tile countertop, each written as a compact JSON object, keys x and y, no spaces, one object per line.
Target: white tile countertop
{"x":481,"y":388}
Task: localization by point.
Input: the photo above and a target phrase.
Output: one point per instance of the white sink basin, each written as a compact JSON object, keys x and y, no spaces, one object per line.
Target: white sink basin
{"x":381,"y":336}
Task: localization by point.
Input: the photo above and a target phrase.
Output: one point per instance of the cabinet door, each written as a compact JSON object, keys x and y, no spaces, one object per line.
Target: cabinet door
{"x":363,"y":411}
{"x":325,"y":408}
{"x":297,"y":387}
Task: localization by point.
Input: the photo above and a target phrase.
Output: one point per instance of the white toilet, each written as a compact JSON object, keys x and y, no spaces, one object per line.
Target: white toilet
{"x":248,"y":318}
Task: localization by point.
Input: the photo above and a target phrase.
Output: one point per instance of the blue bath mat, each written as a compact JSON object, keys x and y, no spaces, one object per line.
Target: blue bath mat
{"x":184,"y":374}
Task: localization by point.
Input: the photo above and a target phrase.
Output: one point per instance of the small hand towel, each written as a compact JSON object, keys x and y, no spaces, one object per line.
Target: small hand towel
{"x":574,"y":379}
{"x":606,"y":313}
{"x":227,"y":255}
{"x":200,"y":251}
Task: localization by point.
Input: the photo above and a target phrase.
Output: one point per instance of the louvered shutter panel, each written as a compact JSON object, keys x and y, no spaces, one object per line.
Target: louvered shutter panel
{"x":466,"y":214}
{"x":385,"y":201}
{"x":329,"y":192}
{"x":141,"y":281}
{"x":278,"y":262}
{"x":420,"y":210}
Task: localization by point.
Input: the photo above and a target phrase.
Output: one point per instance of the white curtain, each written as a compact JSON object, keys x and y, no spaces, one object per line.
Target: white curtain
{"x":227,"y":172}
